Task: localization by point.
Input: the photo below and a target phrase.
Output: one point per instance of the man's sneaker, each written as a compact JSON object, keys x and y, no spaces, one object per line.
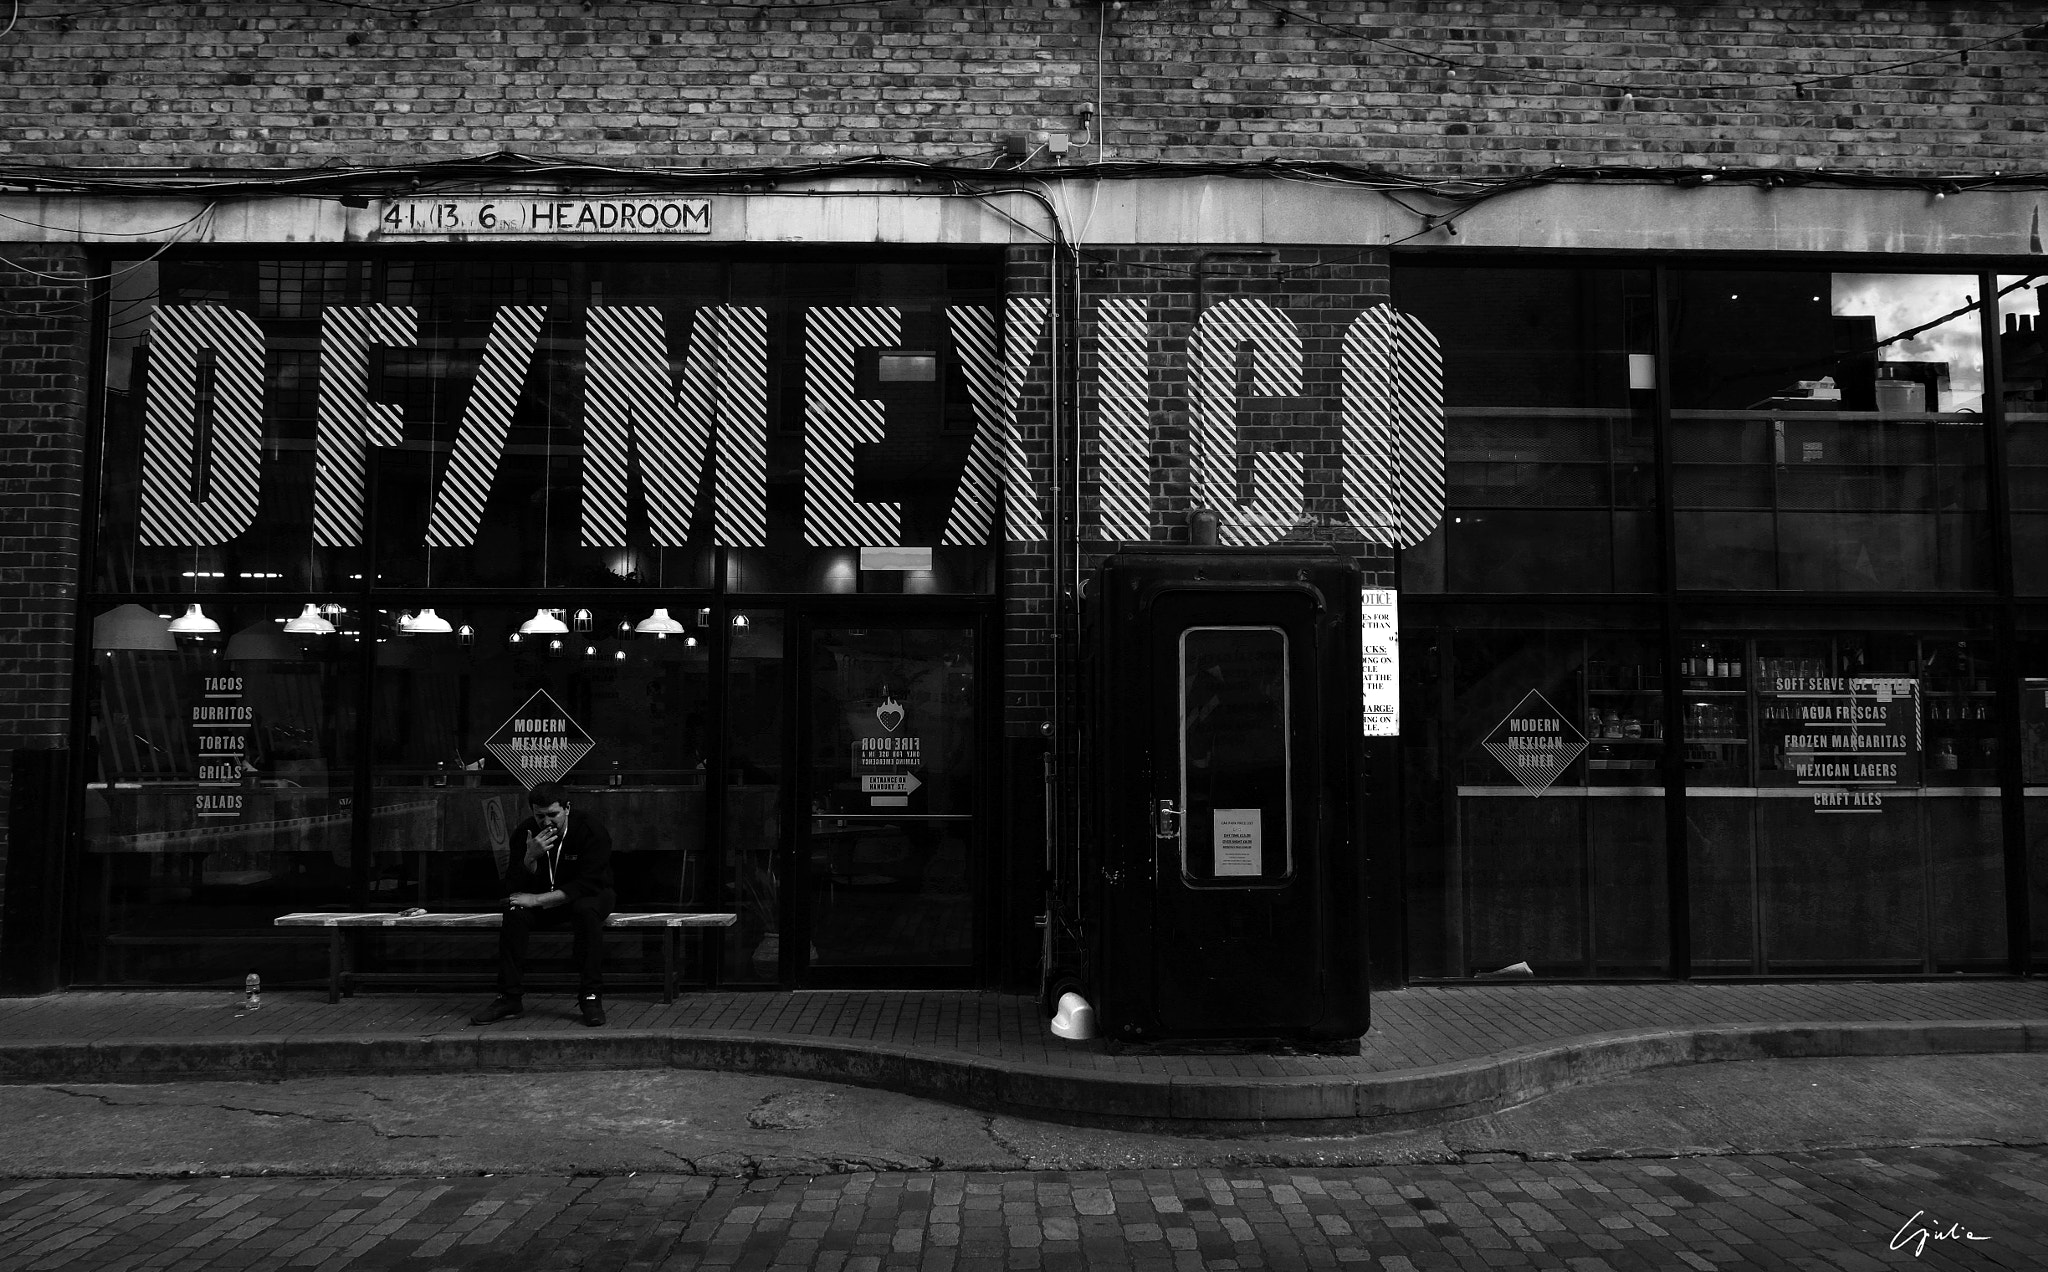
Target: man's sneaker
{"x":592,"y":1009}
{"x":503,"y":1007}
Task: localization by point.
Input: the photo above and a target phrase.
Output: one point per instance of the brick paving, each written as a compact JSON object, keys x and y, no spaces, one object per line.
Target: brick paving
{"x":1844,"y":1210}
{"x":1412,"y":1028}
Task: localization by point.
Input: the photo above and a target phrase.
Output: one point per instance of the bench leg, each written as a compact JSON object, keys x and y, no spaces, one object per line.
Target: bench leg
{"x":334,"y":965}
{"x":670,"y":938}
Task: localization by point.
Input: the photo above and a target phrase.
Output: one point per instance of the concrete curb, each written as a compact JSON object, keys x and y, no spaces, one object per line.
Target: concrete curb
{"x":1365,"y":1102}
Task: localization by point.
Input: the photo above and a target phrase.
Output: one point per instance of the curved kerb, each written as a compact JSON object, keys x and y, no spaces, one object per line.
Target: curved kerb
{"x":1323,"y":1102}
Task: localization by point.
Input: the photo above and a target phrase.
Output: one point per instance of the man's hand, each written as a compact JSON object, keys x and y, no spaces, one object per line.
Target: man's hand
{"x":526,"y":901}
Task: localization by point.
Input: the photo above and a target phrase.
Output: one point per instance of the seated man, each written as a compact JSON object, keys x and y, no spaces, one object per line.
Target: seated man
{"x":560,"y":874}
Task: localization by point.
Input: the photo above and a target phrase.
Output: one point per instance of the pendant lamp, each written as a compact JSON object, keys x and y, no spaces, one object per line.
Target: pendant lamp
{"x":543,"y":623}
{"x":658,"y":624}
{"x":194,"y":622}
{"x":425,"y":623}
{"x":309,"y":623}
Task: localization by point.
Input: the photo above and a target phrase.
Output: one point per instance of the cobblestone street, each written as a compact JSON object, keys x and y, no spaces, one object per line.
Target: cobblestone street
{"x":1973,"y":1207}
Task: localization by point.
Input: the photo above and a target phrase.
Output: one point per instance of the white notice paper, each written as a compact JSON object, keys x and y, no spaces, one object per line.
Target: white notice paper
{"x":1380,"y":643}
{"x":1240,"y":843}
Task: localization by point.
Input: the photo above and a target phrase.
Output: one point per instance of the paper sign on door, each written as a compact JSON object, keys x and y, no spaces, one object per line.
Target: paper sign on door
{"x":1240,"y":843}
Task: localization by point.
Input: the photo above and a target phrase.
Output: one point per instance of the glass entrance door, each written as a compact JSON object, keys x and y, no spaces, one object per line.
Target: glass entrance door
{"x":885,"y":864}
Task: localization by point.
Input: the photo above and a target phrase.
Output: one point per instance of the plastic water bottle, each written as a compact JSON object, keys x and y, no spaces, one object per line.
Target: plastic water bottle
{"x":252,"y":990}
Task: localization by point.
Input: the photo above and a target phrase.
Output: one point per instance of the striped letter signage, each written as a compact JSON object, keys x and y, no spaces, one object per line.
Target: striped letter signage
{"x":202,"y":446}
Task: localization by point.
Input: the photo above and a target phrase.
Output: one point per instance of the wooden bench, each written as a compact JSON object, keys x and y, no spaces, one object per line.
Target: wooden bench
{"x":339,"y":972}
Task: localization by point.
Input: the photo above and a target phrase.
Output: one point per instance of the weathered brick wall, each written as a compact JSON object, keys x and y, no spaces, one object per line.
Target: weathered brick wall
{"x":43,"y":311}
{"x":1458,"y":87}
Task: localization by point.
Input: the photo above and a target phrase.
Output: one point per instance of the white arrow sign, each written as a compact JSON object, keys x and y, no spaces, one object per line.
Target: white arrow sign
{"x":889,"y":783}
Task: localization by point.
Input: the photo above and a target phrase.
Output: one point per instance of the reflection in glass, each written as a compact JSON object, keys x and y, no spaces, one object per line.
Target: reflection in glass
{"x":2024,"y":367}
{"x":1235,"y":761}
{"x":218,"y":795}
{"x":443,"y":714}
{"x":892,"y":773}
{"x":1565,"y":872}
{"x":1552,"y":473}
{"x":756,"y":729}
{"x":1857,"y":827}
{"x":1827,"y":432}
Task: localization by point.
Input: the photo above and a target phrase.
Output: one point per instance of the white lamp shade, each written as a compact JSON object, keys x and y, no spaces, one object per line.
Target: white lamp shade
{"x":309,"y":623}
{"x":194,"y":622}
{"x":131,"y":627}
{"x":658,"y":624}
{"x":425,"y":623}
{"x":543,"y":623}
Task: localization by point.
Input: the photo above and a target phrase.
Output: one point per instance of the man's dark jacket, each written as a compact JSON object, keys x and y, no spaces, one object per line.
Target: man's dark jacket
{"x":581,"y":865}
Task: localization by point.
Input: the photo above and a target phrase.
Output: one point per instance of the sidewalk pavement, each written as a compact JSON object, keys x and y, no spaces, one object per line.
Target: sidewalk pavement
{"x":1433,"y":1054}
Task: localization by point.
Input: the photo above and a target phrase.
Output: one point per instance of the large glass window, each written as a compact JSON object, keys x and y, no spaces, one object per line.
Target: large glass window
{"x":2023,"y":367}
{"x":1842,"y":803}
{"x":1549,"y":418}
{"x":451,"y":523}
{"x":1827,"y":432}
{"x":220,"y":791}
{"x":1553,"y":783}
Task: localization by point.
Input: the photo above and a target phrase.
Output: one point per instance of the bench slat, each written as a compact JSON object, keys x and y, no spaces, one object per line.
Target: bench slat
{"x":454,"y":919}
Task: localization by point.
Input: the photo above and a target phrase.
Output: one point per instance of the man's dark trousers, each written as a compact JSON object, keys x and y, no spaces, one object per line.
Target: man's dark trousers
{"x":584,"y":917}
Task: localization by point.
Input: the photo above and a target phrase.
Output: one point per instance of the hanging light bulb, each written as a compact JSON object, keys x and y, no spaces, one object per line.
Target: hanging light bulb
{"x":194,"y":622}
{"x":689,"y":642}
{"x":624,"y":631}
{"x":741,"y":624}
{"x":309,"y":623}
{"x":554,"y":649}
{"x":582,"y":620}
{"x":618,"y":655}
{"x":543,"y":623}
{"x":425,"y":623}
{"x":465,"y":636}
{"x":658,"y":624}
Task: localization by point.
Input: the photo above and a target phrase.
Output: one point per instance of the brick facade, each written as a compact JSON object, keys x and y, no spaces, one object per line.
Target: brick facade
{"x":1456,"y":89}
{"x":43,"y":377}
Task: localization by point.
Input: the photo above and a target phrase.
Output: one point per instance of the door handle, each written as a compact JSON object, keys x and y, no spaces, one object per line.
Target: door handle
{"x":1166,"y":820}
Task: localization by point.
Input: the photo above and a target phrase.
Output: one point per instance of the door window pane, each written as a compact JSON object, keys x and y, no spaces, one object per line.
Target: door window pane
{"x":893,"y":764}
{"x":1827,"y":431}
{"x":1236,"y":761}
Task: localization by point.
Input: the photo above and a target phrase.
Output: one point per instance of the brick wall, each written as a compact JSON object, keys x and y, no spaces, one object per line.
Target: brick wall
{"x":43,"y":312}
{"x":1425,"y":88}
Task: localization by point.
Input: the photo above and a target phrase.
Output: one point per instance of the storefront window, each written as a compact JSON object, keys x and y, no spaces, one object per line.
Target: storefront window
{"x":1842,"y":803}
{"x":220,"y":790}
{"x":1550,"y":418}
{"x":2023,"y":366}
{"x":1827,"y":432}
{"x":1556,"y":854}
{"x":2033,"y":668}
{"x":757,"y":732}
{"x":451,"y":470}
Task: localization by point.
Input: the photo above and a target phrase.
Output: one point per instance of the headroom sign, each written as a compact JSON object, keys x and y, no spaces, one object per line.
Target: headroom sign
{"x":531,"y":215}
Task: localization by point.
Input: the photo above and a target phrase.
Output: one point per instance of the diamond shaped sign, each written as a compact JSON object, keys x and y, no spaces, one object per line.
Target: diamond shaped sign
{"x":540,"y":743}
{"x":1535,"y":743}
